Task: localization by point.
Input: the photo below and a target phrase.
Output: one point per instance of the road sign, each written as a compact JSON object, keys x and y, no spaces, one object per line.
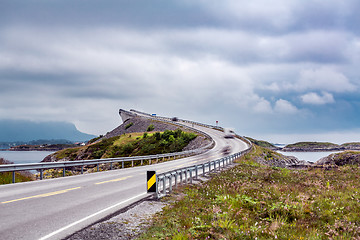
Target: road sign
{"x":151,"y":181}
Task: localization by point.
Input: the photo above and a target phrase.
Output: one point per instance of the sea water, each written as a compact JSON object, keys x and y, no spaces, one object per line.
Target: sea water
{"x":308,"y":156}
{"x":24,"y":156}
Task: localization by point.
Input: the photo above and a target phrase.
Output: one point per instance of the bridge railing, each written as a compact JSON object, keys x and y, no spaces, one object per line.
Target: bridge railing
{"x":180,"y":120}
{"x":167,"y":180}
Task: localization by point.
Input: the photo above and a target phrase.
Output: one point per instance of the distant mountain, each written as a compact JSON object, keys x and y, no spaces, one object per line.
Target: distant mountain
{"x":22,"y":130}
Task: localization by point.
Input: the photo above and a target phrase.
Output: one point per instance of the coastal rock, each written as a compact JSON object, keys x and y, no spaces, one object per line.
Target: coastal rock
{"x":340,"y":159}
{"x":274,"y":159}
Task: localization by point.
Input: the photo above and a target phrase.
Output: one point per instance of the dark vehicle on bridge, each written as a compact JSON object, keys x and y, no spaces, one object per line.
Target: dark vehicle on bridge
{"x":226,"y":150}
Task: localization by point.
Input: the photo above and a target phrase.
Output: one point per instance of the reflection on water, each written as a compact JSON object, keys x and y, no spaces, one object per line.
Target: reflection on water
{"x":24,"y":156}
{"x":307,"y":156}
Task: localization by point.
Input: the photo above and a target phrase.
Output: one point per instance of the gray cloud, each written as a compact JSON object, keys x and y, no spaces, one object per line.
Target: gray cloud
{"x":243,"y":63}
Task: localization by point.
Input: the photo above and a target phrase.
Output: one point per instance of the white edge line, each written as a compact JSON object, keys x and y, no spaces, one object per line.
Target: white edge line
{"x":90,"y":216}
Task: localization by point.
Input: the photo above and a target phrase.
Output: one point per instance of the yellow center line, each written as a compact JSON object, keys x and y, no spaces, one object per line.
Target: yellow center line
{"x":114,"y":180}
{"x":43,"y":195}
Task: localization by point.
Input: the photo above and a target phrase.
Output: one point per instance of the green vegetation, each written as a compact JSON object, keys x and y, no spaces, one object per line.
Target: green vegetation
{"x":95,"y":139}
{"x":134,"y":144}
{"x":261,"y":143}
{"x":252,"y":201}
{"x":150,"y":128}
{"x":6,"y":178}
{"x":129,"y":125}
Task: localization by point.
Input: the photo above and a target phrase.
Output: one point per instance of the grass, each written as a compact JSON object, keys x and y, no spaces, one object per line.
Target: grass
{"x":252,"y":201}
{"x":6,"y":177}
{"x":132,"y":144}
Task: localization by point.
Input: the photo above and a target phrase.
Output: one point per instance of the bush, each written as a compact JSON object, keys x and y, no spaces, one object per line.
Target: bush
{"x":150,"y":128}
{"x":157,"y":136}
{"x":129,"y":125}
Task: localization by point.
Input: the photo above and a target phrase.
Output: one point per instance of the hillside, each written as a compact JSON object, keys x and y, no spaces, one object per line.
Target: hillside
{"x":130,"y":144}
{"x":253,"y":201}
{"x":263,"y":143}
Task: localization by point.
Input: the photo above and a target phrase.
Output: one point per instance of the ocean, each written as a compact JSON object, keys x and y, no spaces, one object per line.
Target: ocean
{"x":24,"y":156}
{"x":307,"y":156}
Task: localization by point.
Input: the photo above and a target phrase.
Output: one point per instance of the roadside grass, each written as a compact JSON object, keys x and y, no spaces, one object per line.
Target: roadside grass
{"x":252,"y":201}
{"x":6,"y":177}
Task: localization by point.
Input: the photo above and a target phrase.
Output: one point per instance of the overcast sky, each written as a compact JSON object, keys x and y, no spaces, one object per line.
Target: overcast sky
{"x":284,"y":70}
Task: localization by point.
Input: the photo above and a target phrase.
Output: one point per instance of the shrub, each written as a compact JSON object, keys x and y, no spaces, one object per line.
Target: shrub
{"x":157,"y":136}
{"x":129,"y":125}
{"x":171,"y":138}
{"x":150,"y":128}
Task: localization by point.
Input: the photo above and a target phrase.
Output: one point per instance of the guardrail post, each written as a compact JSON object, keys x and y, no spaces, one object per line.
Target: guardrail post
{"x":150,"y":161}
{"x":142,"y":162}
{"x":82,"y":169}
{"x":122,"y":164}
{"x":41,"y":174}
{"x":164,"y":185}
{"x":196,"y":172}
{"x":181,"y":176}
{"x":97,"y":167}
{"x":170,"y":183}
{"x":64,"y":171}
{"x":110,"y":165}
{"x":175,"y":175}
{"x":190,"y":175}
{"x":186,"y":176}
{"x":13,"y":177}
{"x":203,"y":167}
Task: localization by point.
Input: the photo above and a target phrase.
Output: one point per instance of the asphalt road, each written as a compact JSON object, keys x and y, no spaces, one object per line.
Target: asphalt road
{"x":56,"y":208}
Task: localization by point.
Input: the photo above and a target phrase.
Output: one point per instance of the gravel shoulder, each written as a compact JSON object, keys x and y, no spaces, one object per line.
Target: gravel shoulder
{"x":124,"y":225}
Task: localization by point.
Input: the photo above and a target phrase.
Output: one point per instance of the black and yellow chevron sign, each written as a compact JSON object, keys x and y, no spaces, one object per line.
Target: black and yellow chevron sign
{"x":151,"y":181}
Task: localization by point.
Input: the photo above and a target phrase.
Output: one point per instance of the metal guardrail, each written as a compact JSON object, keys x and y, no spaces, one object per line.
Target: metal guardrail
{"x":165,"y":181}
{"x":81,"y":163}
{"x":180,"y":120}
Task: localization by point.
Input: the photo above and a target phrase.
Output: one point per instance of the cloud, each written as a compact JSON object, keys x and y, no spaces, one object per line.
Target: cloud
{"x":236,"y":60}
{"x":316,"y":99}
{"x":324,"y":78}
{"x":263,"y":106}
{"x":283,"y":106}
